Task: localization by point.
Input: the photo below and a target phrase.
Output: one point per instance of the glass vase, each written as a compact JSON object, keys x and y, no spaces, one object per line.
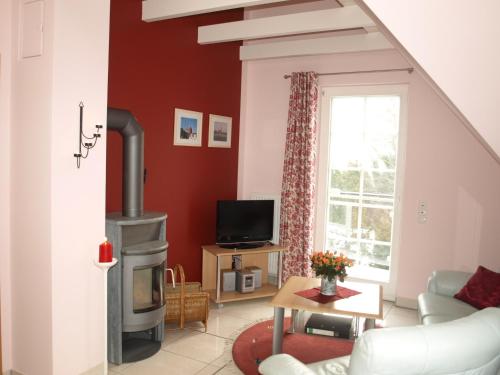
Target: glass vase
{"x":328,"y":287}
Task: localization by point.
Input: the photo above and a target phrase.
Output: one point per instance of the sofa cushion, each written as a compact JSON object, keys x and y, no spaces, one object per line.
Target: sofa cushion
{"x":447,"y":283}
{"x":442,"y":308}
{"x":466,"y":346}
{"x":482,"y":290}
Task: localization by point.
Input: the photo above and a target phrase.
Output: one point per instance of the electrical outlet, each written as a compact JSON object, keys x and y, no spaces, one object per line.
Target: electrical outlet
{"x":422,"y":212}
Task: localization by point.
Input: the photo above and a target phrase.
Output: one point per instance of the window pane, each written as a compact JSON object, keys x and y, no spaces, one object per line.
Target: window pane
{"x":347,"y":181}
{"x":360,"y":252}
{"x":336,"y":242}
{"x":376,"y":224}
{"x":352,"y":250}
{"x":348,"y":115}
{"x":379,"y":182}
{"x":380,"y":256}
{"x":381,"y":134}
{"x":337,"y":214}
{"x":343,"y":221}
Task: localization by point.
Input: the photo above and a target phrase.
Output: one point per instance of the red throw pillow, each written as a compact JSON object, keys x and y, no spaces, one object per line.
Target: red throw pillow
{"x":482,"y":290}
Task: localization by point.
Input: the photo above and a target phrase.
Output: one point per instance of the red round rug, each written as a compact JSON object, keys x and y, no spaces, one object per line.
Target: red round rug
{"x":255,"y":344}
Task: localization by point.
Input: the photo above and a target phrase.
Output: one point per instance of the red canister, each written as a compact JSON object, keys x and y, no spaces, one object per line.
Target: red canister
{"x":105,"y":252}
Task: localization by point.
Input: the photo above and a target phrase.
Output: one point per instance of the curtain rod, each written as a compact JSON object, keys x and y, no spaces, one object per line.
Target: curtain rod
{"x":409,"y":70}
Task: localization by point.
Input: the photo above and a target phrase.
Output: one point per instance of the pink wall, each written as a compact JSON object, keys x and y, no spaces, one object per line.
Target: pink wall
{"x":460,"y":181}
{"x":80,"y":66}
{"x":445,"y":164}
{"x":57,"y":210}
{"x":457,"y":47}
{"x":5,"y":274}
{"x":31,"y":263}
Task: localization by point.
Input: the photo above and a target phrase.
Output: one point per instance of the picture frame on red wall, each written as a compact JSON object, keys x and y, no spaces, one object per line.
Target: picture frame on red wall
{"x":219,"y":131}
{"x":188,"y":126}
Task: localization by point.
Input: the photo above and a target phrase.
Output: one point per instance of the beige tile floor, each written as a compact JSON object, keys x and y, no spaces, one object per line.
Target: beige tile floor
{"x":193,"y":352}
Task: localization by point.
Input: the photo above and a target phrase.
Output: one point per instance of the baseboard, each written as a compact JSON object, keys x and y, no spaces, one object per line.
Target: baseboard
{"x":12,"y":372}
{"x":97,"y":370}
{"x":408,"y":303}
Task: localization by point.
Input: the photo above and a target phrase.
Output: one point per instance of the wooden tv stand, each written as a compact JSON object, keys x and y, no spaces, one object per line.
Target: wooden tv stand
{"x":216,"y":259}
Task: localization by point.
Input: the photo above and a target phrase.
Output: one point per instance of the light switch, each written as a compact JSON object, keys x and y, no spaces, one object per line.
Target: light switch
{"x":422,"y":212}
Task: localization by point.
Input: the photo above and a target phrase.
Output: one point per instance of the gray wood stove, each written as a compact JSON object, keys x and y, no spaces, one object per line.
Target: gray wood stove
{"x":136,"y":304}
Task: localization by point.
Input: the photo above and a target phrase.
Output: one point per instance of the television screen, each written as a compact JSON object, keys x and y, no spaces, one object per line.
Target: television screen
{"x":244,"y":221}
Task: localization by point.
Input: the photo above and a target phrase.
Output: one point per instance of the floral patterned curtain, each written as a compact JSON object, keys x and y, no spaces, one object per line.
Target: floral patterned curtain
{"x":298,"y":188}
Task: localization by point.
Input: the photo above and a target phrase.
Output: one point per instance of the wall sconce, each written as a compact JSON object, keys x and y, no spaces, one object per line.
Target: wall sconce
{"x":83,"y":140}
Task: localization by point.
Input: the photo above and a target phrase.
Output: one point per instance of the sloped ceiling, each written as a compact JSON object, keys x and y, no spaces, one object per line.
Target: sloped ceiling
{"x":456,"y":42}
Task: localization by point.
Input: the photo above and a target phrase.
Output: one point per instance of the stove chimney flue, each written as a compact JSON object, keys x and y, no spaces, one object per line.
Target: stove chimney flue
{"x":132,"y":133}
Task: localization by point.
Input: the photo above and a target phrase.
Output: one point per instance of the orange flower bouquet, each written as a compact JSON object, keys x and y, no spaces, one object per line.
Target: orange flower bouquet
{"x":330,"y":265}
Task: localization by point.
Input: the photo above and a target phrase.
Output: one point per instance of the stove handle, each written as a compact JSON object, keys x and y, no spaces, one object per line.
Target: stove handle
{"x":172,"y":273}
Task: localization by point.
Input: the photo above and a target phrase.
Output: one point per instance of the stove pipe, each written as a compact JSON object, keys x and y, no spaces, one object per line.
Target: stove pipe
{"x":132,"y":133}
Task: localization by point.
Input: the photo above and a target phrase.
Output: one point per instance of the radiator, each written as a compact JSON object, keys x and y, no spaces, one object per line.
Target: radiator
{"x":273,"y":257}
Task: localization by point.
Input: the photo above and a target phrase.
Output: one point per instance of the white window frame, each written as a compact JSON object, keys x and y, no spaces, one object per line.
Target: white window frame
{"x":323,"y":166}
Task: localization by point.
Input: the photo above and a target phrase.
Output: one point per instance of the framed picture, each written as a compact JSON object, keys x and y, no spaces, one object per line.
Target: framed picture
{"x":188,"y":127}
{"x":219,"y":132}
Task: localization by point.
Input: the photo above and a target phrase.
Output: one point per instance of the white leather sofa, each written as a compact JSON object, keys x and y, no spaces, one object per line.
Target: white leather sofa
{"x":466,"y":346}
{"x":437,"y":304}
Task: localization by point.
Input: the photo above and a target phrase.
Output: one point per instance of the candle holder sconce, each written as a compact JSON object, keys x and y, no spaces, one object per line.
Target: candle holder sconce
{"x":83,"y":138}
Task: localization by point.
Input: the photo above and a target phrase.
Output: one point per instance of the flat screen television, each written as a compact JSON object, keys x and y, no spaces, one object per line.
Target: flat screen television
{"x":244,"y":223}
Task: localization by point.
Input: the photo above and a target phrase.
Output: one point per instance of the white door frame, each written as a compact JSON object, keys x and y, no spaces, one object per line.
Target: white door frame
{"x":323,"y":167}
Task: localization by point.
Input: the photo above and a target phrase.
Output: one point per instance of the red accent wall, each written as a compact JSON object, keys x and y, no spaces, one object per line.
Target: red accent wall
{"x":154,"y":68}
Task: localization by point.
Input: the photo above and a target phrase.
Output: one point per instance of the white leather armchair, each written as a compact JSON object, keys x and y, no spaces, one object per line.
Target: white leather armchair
{"x":466,"y":346}
{"x":437,"y":304}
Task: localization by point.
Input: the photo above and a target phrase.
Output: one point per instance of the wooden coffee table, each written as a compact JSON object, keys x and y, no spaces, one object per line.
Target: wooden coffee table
{"x":367,"y":304}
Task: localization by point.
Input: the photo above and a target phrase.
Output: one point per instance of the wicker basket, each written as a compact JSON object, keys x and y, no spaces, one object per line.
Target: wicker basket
{"x":186,"y":302}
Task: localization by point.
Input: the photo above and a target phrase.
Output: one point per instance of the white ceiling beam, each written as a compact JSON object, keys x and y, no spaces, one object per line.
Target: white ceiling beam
{"x":157,"y":10}
{"x":290,"y":24}
{"x":317,"y":46}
